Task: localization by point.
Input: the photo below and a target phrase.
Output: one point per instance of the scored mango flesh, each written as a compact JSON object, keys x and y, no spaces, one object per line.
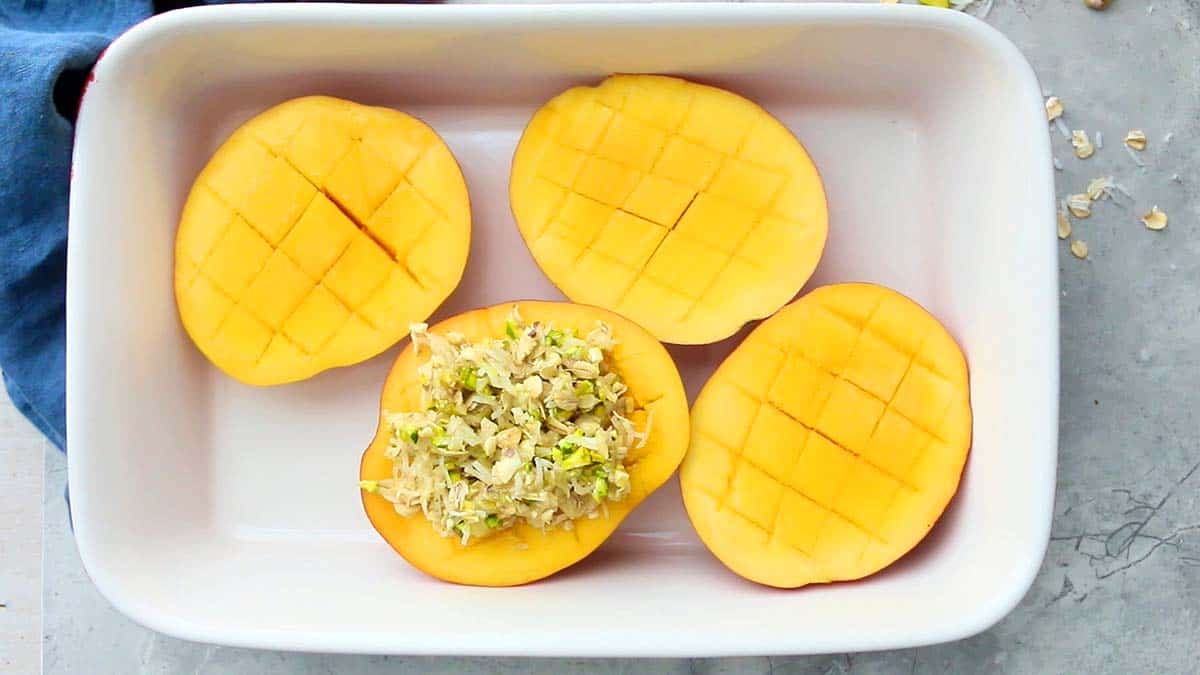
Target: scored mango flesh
{"x":830,"y":441}
{"x":687,"y":208}
{"x":315,"y":235}
{"x":522,"y":553}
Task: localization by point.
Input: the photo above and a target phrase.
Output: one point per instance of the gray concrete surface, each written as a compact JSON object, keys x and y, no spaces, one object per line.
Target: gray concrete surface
{"x":22,"y":451}
{"x":1119,"y":591}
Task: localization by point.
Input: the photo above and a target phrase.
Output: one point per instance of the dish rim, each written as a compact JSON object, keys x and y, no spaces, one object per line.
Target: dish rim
{"x":128,"y":46}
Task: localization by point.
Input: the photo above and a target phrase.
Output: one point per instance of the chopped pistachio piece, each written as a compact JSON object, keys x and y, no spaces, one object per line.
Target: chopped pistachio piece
{"x":467,"y":376}
{"x":600,"y":490}
{"x":410,"y":433}
{"x":369,"y":486}
{"x":575,"y":460}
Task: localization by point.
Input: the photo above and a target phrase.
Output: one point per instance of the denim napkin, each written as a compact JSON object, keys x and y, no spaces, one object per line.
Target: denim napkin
{"x":47,"y":48}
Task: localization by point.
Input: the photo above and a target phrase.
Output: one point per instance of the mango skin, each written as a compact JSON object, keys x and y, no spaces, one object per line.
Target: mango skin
{"x":823,"y":452}
{"x":522,"y":554}
{"x":313,"y":237}
{"x":685,"y":207}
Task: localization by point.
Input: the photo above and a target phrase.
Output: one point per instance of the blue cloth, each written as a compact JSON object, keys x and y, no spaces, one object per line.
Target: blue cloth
{"x":47,"y":48}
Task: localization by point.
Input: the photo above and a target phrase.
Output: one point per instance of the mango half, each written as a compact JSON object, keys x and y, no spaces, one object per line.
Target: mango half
{"x":830,"y":441}
{"x":315,"y":235}
{"x":522,"y":554}
{"x":687,"y":208}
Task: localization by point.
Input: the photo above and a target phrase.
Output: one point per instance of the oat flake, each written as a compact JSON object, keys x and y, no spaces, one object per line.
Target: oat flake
{"x":1054,"y":108}
{"x":1080,"y":205}
{"x":1100,"y":188}
{"x":1155,"y":219}
{"x":1083,"y":146}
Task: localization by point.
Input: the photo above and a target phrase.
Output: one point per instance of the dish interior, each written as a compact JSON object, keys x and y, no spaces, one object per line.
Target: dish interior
{"x":219,"y":511}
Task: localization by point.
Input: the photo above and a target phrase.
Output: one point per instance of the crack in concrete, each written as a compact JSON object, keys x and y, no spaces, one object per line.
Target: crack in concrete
{"x":1118,"y":543}
{"x":1067,"y":587}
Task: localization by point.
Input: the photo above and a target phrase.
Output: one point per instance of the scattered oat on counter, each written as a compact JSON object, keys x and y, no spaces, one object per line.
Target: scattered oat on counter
{"x":1083,"y":146}
{"x":1054,"y":108}
{"x":1079,"y":249}
{"x":1100,"y":188}
{"x":1096,"y":4}
{"x":1064,"y":225}
{"x":1136,"y":139}
{"x":1080,"y":205}
{"x":1155,"y":219}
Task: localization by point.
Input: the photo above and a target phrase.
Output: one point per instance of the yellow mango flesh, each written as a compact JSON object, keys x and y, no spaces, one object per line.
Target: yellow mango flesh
{"x":315,"y":235}
{"x":830,"y":441}
{"x":687,"y":208}
{"x":521,"y":554}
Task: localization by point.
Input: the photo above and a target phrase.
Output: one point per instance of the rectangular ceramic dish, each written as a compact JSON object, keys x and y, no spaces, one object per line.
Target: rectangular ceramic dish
{"x":219,"y":512}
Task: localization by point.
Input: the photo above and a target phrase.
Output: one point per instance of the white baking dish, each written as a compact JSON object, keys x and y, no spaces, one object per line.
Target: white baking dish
{"x":224,"y":513}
